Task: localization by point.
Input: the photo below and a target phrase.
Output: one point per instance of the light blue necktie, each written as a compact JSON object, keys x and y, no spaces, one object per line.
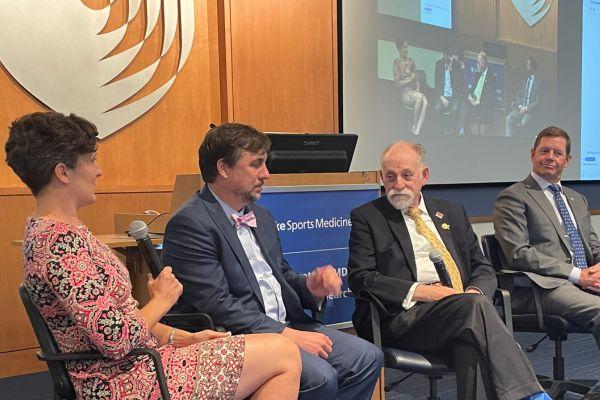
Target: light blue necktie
{"x":576,"y":243}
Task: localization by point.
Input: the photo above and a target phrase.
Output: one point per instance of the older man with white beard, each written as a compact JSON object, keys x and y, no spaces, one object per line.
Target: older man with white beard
{"x":390,"y":242}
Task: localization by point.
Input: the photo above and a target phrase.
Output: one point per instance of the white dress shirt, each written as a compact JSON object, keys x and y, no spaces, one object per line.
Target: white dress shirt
{"x":270,"y":289}
{"x":545,"y":185}
{"x":426,"y":272}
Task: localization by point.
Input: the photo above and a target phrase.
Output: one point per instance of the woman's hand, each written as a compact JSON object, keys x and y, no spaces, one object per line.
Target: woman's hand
{"x":165,"y":287}
{"x":183,"y":338}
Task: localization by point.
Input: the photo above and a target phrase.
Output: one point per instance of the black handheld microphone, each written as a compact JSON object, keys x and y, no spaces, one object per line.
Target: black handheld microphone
{"x":437,"y":258}
{"x":139,"y":231}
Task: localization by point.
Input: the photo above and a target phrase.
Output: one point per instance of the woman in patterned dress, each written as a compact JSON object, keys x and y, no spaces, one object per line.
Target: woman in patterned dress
{"x":405,"y":78}
{"x":84,"y":293}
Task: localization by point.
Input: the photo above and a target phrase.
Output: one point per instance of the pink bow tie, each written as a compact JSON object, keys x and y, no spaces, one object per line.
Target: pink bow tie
{"x":247,"y":219}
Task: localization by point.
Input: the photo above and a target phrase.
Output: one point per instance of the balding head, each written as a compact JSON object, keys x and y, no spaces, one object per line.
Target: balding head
{"x":402,"y":146}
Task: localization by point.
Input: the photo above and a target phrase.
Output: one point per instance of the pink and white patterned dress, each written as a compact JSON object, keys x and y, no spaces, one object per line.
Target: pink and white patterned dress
{"x":84,"y":294}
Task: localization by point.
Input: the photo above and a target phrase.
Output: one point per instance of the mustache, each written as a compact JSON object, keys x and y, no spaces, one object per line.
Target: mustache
{"x":403,"y":192}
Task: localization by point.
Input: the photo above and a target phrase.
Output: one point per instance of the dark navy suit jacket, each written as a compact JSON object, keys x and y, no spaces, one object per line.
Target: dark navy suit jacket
{"x":202,"y":247}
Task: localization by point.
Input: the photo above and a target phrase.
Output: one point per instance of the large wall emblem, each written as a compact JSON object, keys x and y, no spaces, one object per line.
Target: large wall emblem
{"x":532,"y":11}
{"x":61,"y":53}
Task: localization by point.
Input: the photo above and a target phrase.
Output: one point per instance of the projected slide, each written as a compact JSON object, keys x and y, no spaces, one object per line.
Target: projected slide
{"x":590,"y":88}
{"x":477,"y":93}
{"x":432,"y":12}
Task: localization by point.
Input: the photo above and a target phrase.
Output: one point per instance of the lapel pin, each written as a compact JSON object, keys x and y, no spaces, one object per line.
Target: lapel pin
{"x":445,"y":226}
{"x":439,"y":214}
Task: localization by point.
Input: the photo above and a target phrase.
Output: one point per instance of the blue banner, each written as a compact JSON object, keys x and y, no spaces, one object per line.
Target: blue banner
{"x":314,"y":228}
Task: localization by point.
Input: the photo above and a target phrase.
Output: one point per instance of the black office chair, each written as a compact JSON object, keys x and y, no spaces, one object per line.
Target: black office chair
{"x":55,"y":359}
{"x":403,"y":360}
{"x":420,"y":363}
{"x":554,"y":326}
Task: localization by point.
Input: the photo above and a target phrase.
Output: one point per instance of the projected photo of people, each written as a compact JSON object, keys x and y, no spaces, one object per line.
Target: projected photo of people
{"x":467,"y":80}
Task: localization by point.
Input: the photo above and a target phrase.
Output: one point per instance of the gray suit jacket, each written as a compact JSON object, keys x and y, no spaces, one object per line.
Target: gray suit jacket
{"x":532,"y":237}
{"x":534,"y":97}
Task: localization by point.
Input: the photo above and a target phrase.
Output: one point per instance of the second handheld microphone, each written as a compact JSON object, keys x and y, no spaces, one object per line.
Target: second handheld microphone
{"x":437,"y":258}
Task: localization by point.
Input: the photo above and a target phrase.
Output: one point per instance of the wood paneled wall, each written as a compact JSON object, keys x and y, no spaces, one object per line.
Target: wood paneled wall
{"x":282,"y":60}
{"x":477,"y":18}
{"x":499,"y":20}
{"x":512,"y":28}
{"x":269,"y":63}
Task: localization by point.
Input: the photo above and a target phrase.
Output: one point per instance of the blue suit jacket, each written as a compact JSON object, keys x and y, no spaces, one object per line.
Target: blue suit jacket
{"x":202,"y":247}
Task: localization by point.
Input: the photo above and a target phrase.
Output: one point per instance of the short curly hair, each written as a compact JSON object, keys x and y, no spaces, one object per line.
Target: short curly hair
{"x":39,"y":141}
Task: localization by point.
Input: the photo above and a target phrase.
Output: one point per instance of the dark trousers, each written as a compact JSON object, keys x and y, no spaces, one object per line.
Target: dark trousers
{"x":349,"y":372}
{"x":468,"y":332}
{"x":448,"y":116}
{"x":470,"y":114}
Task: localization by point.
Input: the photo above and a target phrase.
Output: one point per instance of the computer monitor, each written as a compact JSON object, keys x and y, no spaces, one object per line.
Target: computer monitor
{"x":300,"y":152}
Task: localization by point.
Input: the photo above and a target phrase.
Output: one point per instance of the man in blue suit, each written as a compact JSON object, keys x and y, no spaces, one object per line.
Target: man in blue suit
{"x":225,"y":250}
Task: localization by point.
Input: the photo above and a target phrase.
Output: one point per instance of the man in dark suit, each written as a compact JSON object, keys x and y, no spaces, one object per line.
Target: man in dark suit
{"x":527,"y":99}
{"x":390,"y":242}
{"x":478,"y":107}
{"x":225,"y":251}
{"x":545,"y":230}
{"x":449,"y":88}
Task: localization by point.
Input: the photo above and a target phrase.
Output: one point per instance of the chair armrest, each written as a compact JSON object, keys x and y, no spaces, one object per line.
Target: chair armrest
{"x":506,"y":280}
{"x":192,"y":322}
{"x":375,"y":324}
{"x":202,"y":319}
{"x":88,"y":355}
{"x":370,"y":297}
{"x":160,"y":373}
{"x":503,"y":296}
{"x":376,"y":307}
{"x":92,"y":355}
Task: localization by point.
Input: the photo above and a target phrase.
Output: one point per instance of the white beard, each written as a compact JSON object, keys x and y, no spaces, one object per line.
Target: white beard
{"x":400,"y":199}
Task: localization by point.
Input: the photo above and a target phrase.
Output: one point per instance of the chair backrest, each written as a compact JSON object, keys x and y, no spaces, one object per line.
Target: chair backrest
{"x":184,"y":187}
{"x":63,"y":388}
{"x":493,"y":252}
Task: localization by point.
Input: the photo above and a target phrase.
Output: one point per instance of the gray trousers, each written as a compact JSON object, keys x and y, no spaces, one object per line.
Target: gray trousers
{"x":569,"y":301}
{"x":467,"y":330}
{"x":514,"y":120}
